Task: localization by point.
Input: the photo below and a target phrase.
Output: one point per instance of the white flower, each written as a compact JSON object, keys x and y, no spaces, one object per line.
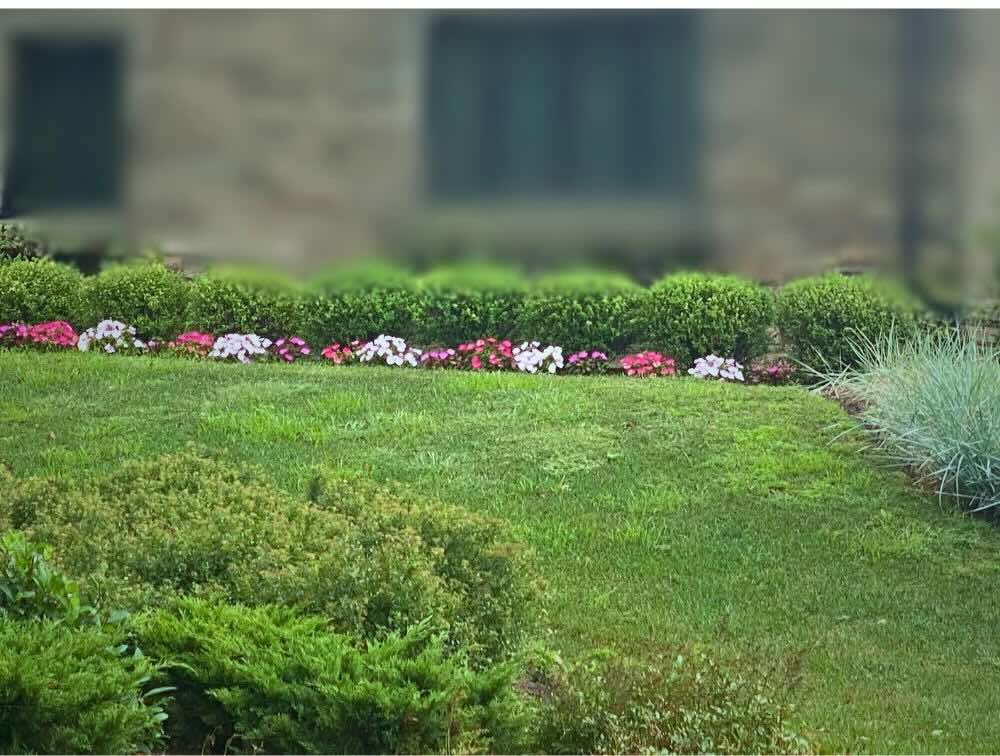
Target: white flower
{"x":391,"y":350}
{"x":713,"y":366}
{"x":110,"y":336}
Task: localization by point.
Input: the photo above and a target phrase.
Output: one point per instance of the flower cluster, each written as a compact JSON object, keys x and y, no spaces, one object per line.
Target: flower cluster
{"x":391,"y":350}
{"x":340,"y":354}
{"x":644,"y":364}
{"x":586,"y":363}
{"x":290,"y":348}
{"x":243,"y":347}
{"x":713,"y":366}
{"x":13,"y":334}
{"x":530,"y":357}
{"x":486,"y":354}
{"x":193,"y":343}
{"x":440,"y":358}
{"x":111,"y":337}
{"x":55,"y":333}
{"x":774,"y":373}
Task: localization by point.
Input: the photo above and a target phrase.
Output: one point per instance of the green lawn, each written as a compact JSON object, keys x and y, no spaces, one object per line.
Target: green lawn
{"x":662,"y":511}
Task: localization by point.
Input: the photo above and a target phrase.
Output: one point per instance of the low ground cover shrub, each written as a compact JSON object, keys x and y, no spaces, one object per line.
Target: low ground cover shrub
{"x":149,"y":296}
{"x":185,"y":525}
{"x":931,"y":403}
{"x":270,"y":680}
{"x":583,"y":310}
{"x":33,"y":290}
{"x":818,"y":317}
{"x":66,"y":690}
{"x":688,"y":704}
{"x":693,"y":314}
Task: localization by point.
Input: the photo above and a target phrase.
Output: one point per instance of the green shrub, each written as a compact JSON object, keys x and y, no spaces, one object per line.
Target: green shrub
{"x":465,"y":302}
{"x":690,"y":315}
{"x":360,"y":314}
{"x":605,"y":704}
{"x":819,"y":316}
{"x":493,"y":578}
{"x":31,"y":588}
{"x":37,"y":289}
{"x":16,"y":241}
{"x":269,"y":680}
{"x":223,"y":303}
{"x":146,"y":295}
{"x":360,"y":275}
{"x":583,"y":310}
{"x":181,"y":524}
{"x":66,"y":690}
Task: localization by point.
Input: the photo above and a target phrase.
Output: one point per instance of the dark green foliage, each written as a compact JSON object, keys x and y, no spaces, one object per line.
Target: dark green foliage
{"x":15,"y":241}
{"x":360,"y":314}
{"x":269,"y":680}
{"x":31,"y":588}
{"x":66,"y":690}
{"x":690,"y":315}
{"x":236,"y":301}
{"x":583,"y":310}
{"x":493,"y":577}
{"x":467,"y":302}
{"x":360,"y":275}
{"x":34,"y":290}
{"x":818,"y":317}
{"x":182,"y":524}
{"x":606,"y":704}
{"x":146,"y":295}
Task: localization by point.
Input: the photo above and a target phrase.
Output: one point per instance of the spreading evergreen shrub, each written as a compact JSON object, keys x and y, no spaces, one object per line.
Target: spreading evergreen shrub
{"x":237,"y":300}
{"x":360,"y":314}
{"x":820,"y":316}
{"x":690,"y":315}
{"x":269,"y":680}
{"x":65,"y":690}
{"x":584,"y":310}
{"x":36,"y":290}
{"x":465,"y":302}
{"x":146,"y":295}
{"x":181,"y":524}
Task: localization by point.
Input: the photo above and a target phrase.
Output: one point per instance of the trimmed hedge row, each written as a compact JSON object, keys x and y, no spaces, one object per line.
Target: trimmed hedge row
{"x":683,"y":314}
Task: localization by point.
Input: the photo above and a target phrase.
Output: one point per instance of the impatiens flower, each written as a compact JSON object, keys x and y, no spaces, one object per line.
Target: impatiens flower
{"x":339,"y":354}
{"x":774,"y":373}
{"x":391,"y":350}
{"x":713,"y":366}
{"x":647,"y":364}
{"x":111,"y":337}
{"x":242,"y":347}
{"x":290,"y":348}
{"x":586,"y":363}
{"x":13,"y":334}
{"x":439,"y":358}
{"x":192,"y":343}
{"x":531,"y":357}
{"x":53,"y":333}
{"x":486,"y":354}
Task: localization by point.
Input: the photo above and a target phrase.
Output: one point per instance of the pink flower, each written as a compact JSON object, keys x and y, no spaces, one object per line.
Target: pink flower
{"x":56,"y":333}
{"x":13,"y":334}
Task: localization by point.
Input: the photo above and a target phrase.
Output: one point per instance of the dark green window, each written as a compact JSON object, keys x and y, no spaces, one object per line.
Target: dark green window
{"x":563,"y":104}
{"x":65,"y":149}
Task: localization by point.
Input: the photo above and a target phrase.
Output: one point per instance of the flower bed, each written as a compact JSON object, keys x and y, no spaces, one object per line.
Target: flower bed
{"x":485,"y":354}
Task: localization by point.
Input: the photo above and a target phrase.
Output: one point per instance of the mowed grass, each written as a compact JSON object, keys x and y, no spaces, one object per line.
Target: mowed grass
{"x":663,"y":512}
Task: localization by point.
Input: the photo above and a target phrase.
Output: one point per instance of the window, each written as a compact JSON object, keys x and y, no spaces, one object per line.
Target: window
{"x":562,"y":104}
{"x":66,"y":135}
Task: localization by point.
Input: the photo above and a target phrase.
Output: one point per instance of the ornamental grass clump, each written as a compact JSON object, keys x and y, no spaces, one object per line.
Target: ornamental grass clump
{"x":52,"y":334}
{"x":931,"y":404}
{"x":586,"y":363}
{"x":648,"y":364}
{"x":290,"y":349}
{"x":111,"y":337}
{"x":532,"y":357}
{"x":13,"y":334}
{"x":389,"y":350}
{"x":486,"y":354}
{"x":241,"y":347}
{"x":721,"y":368}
